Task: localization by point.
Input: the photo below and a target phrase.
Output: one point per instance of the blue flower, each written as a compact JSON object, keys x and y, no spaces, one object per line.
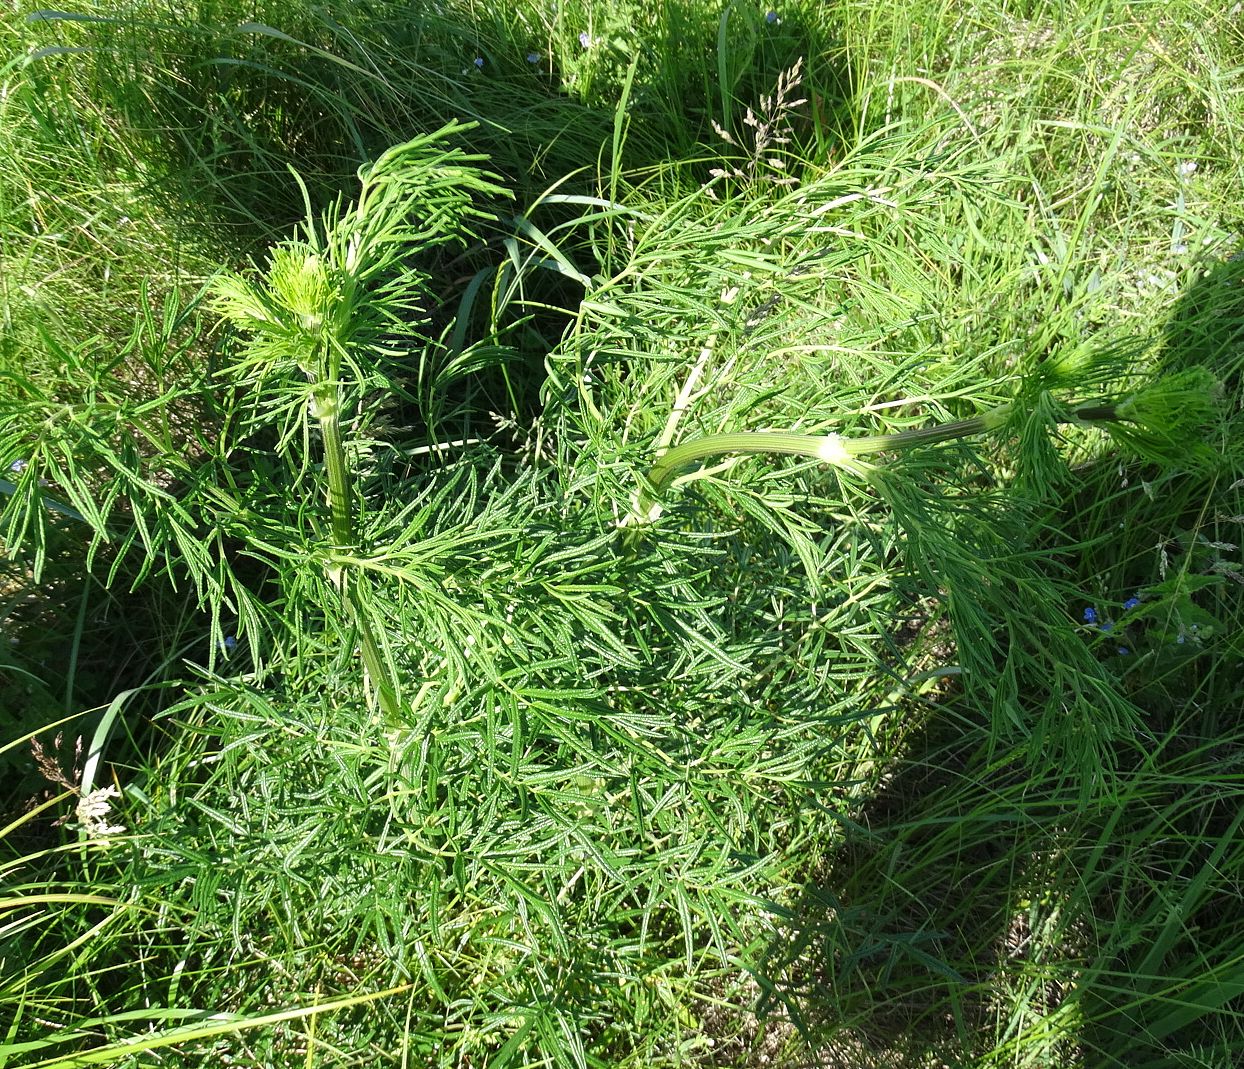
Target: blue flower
{"x":585,"y":39}
{"x":229,"y":644}
{"x":771,"y":17}
{"x":532,"y":57}
{"x":1124,"y":651}
{"x":19,"y":466}
{"x":1090,"y":615}
{"x":479,"y":62}
{"x":1106,"y":628}
{"x":1131,"y":603}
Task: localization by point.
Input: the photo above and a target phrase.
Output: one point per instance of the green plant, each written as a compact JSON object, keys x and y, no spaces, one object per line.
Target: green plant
{"x":1162,"y":424}
{"x":329,"y":330}
{"x":428,"y":697}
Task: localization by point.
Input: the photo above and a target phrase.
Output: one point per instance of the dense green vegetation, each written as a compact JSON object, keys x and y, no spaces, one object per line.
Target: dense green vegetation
{"x":365,"y":702}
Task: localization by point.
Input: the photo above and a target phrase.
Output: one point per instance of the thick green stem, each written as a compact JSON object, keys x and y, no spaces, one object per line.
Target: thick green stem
{"x":326,"y":407}
{"x":373,"y":661}
{"x":681,"y":456}
{"x":831,"y":448}
{"x":339,"y":493}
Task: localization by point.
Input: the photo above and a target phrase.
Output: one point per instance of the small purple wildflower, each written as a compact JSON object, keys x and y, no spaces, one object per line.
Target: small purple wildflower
{"x":229,"y":644}
{"x":771,"y":17}
{"x":532,"y":57}
{"x":19,"y":466}
{"x":479,"y":63}
{"x":585,"y":39}
{"x":1131,"y":603}
{"x":1090,"y":615}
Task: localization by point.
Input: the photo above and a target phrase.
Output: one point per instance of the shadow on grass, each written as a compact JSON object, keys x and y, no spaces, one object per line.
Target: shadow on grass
{"x":1166,"y":986}
{"x":1206,"y":328}
{"x":973,"y":901}
{"x":224,"y":107}
{"x":237,"y":121}
{"x":977,"y":906}
{"x":70,"y":647}
{"x":879,"y":963}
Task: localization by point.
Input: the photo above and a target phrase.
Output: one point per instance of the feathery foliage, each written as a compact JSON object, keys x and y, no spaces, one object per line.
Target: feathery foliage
{"x":613,"y":534}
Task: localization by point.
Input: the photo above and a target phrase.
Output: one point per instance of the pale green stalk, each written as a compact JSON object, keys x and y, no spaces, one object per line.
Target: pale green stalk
{"x":831,"y":449}
{"x":326,"y":408}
